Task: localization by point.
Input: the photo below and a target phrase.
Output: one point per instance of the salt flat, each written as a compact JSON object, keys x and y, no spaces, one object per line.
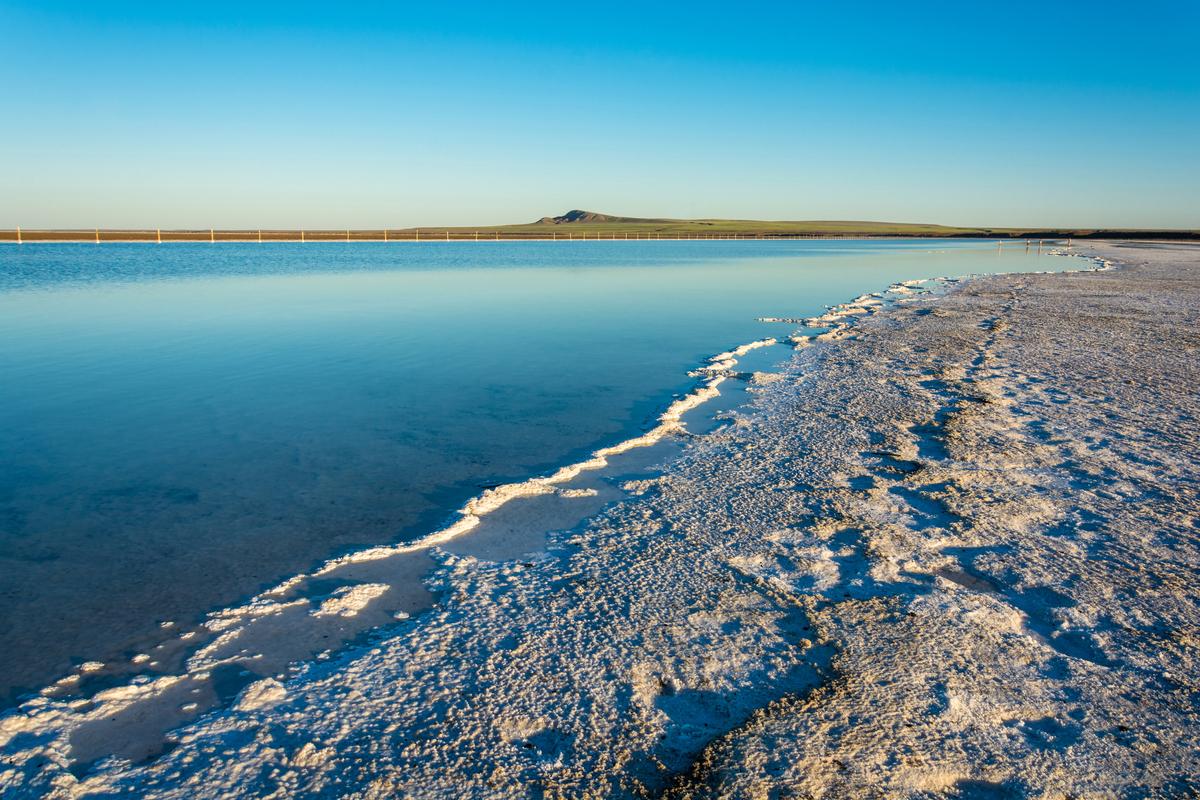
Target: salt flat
{"x":949,"y":551}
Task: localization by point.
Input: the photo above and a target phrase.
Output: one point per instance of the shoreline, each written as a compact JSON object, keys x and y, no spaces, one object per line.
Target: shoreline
{"x":650,"y":231}
{"x":362,"y":592}
{"x":1045,"y":241}
{"x":407,"y":559}
{"x":131,"y":635}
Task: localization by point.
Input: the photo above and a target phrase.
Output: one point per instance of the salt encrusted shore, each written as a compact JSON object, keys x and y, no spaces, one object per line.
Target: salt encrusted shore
{"x":951,"y":550}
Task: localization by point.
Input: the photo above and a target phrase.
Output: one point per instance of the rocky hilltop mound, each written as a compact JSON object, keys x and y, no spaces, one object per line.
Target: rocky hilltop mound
{"x":578,"y":215}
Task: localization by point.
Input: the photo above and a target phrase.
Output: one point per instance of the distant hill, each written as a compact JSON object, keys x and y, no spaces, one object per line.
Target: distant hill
{"x":576,"y":215}
{"x":593,"y":221}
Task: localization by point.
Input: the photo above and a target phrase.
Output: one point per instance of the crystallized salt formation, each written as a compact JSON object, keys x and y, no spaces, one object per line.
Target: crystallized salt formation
{"x":950,"y":551}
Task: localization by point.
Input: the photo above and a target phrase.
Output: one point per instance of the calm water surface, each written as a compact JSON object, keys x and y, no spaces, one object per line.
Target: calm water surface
{"x":183,"y":425}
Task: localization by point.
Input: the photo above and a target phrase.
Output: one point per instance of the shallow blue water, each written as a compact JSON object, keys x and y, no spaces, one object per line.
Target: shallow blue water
{"x":181,"y":425}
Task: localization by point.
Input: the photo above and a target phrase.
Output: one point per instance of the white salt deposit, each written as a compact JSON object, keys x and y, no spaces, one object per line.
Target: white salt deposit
{"x":262,"y":694}
{"x":938,"y":534}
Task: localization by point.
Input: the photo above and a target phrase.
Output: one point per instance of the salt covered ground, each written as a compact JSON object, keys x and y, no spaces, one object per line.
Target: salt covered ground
{"x":951,"y":550}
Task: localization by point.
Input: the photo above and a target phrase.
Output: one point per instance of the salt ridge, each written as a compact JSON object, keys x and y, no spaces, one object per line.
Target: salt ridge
{"x":57,"y":720}
{"x":229,"y":628}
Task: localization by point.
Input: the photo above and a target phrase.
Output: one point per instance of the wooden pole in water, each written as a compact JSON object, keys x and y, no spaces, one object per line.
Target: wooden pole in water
{"x":212,"y":236}
{"x":385,"y":234}
{"x":302,"y":234}
{"x":19,"y":235}
{"x":477,"y":236}
{"x":158,"y":235}
{"x":417,"y":233}
{"x":260,"y":235}
{"x":447,"y":236}
{"x":97,"y":236}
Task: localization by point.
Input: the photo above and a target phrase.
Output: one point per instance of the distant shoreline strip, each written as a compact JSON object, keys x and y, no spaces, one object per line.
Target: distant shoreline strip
{"x":214,"y":236}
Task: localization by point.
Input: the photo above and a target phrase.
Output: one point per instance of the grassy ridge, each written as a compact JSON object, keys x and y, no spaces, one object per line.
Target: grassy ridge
{"x":591,"y":225}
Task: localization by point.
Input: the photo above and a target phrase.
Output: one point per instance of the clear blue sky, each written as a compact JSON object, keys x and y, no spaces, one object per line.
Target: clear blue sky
{"x":310,"y":114}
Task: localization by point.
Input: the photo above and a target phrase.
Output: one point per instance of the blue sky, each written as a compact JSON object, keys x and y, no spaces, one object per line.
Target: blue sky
{"x":305,"y":114}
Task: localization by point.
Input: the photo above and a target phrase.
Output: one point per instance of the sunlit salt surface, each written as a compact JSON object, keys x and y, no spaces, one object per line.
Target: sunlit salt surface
{"x":184,"y":425}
